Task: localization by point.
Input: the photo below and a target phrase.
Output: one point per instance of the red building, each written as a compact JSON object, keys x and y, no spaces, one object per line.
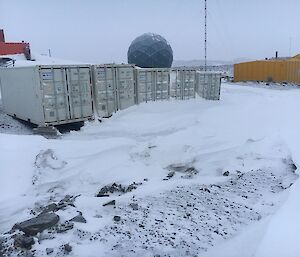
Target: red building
{"x":13,"y":48}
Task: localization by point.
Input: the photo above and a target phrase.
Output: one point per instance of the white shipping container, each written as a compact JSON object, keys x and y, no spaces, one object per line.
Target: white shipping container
{"x":152,"y":84}
{"x":113,"y":88}
{"x":183,"y":83}
{"x":209,"y":85}
{"x":47,"y":95}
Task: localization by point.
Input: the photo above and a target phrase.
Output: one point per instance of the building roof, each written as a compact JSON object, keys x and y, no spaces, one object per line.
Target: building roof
{"x":296,"y":57}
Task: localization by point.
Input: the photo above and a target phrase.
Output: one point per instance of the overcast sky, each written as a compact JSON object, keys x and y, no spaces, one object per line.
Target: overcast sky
{"x":102,"y":30}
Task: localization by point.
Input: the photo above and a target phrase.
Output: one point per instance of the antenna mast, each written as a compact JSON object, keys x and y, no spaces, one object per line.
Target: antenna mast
{"x":205,"y":35}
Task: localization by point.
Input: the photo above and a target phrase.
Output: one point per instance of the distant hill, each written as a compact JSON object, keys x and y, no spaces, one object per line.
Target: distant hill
{"x":178,"y":63}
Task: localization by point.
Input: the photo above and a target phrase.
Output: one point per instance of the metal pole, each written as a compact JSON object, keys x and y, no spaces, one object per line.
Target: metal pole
{"x":205,"y":35}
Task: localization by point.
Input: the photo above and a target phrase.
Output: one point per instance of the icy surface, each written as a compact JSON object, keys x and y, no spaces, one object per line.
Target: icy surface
{"x":176,"y":152}
{"x":38,"y":59}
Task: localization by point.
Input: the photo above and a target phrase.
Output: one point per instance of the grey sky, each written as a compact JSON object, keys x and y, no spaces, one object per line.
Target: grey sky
{"x":101,"y":31}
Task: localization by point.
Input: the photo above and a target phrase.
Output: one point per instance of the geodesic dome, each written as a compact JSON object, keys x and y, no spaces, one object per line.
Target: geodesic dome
{"x":150,"y":51}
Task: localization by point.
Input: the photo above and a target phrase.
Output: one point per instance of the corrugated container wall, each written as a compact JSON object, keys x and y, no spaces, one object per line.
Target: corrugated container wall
{"x":113,"y":88}
{"x":152,"y":84}
{"x":183,"y":83}
{"x":208,"y":85}
{"x":47,"y":95}
{"x":275,"y":70}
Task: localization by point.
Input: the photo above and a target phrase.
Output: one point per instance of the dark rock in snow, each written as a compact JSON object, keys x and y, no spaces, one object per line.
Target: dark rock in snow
{"x":1,"y":248}
{"x":67,"y":248}
{"x":79,"y":218}
{"x":171,"y":174}
{"x":117,"y":188}
{"x":49,"y":251}
{"x":134,"y":206}
{"x":61,"y":228}
{"x":190,"y":172}
{"x":187,"y":169}
{"x":111,"y":189}
{"x":102,"y":195}
{"x":132,"y":187}
{"x":68,"y":200}
{"x":23,"y":241}
{"x":50,"y":208}
{"x":35,"y":225}
{"x":113,"y":202}
{"x":117,"y":218}
{"x":226,"y":173}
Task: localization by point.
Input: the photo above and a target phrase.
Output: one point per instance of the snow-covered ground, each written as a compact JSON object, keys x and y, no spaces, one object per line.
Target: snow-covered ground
{"x":175,"y":153}
{"x":38,"y":59}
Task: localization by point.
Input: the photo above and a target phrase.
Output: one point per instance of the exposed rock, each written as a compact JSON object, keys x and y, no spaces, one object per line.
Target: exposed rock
{"x":293,"y":166}
{"x":61,"y":228}
{"x":35,"y":225}
{"x":204,"y":189}
{"x":117,"y":188}
{"x":79,"y":218}
{"x":104,"y":191}
{"x":49,"y":251}
{"x":134,"y":206}
{"x":190,"y":172}
{"x":50,"y":208}
{"x":187,"y":169}
{"x":132,"y":187}
{"x":226,"y":173}
{"x":23,"y":241}
{"x":102,"y":195}
{"x":117,"y":218}
{"x":170,"y":175}
{"x":1,"y":248}
{"x":26,"y":253}
{"x":68,"y":200}
{"x":113,"y":202}
{"x":67,"y":248}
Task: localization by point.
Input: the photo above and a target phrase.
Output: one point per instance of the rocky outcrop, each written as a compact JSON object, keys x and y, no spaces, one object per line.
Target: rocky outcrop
{"x":37,"y":224}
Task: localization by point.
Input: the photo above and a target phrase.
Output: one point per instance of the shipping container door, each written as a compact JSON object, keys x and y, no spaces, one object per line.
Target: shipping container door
{"x":209,"y":84}
{"x":162,"y":84}
{"x":215,"y":87}
{"x":188,"y":83}
{"x":200,"y":84}
{"x":105,"y":90}
{"x":145,"y":81}
{"x":80,"y":95}
{"x":125,"y":86}
{"x":55,"y":94}
{"x":176,"y":89}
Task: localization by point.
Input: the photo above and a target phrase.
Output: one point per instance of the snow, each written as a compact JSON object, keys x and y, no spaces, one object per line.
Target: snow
{"x":251,"y":131}
{"x":281,"y":238}
{"x":38,"y":59}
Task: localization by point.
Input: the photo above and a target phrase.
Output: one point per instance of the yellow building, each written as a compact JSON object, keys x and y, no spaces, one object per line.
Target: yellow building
{"x":275,"y":70}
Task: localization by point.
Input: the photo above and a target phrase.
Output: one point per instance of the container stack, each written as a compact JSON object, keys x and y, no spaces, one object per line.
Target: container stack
{"x":50,"y":95}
